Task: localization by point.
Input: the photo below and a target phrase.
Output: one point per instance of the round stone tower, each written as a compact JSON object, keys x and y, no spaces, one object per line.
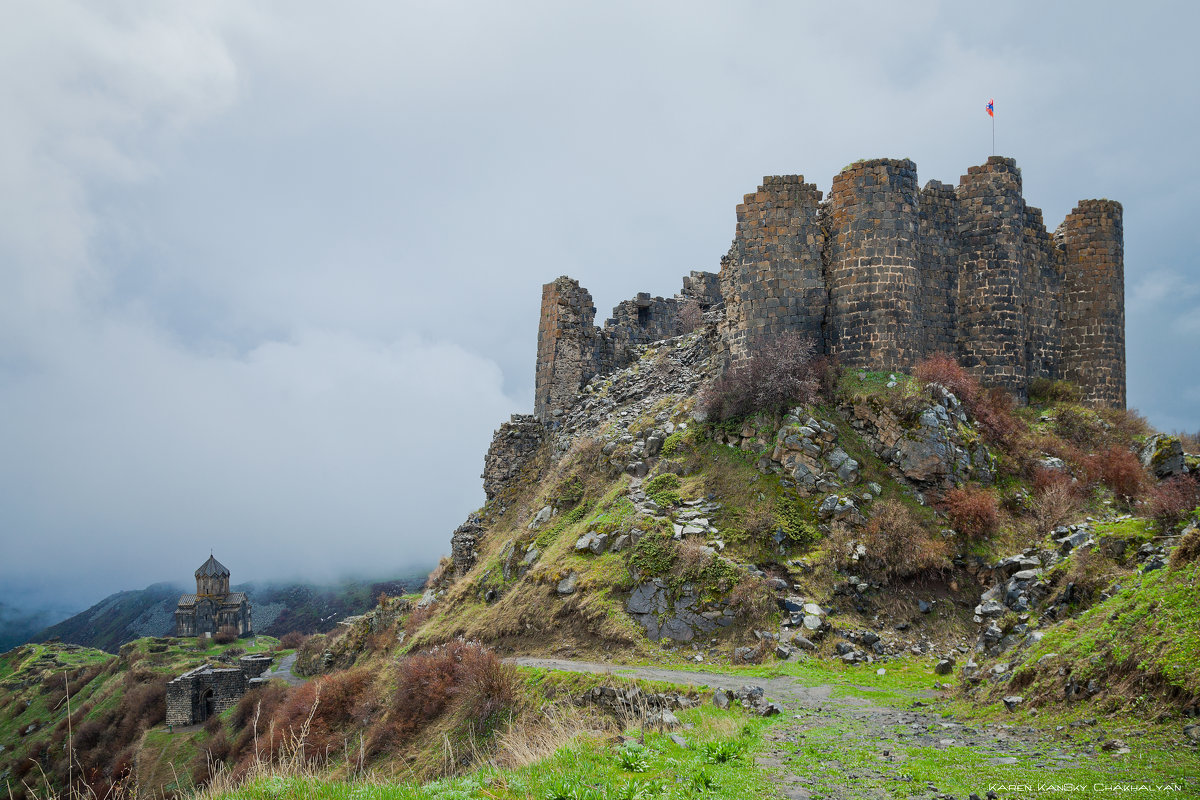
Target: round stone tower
{"x":875,"y":318}
{"x":993,"y":325}
{"x":1092,"y":309}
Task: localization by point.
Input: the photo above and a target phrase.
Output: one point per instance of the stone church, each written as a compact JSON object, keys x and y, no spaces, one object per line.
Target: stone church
{"x":213,"y":606}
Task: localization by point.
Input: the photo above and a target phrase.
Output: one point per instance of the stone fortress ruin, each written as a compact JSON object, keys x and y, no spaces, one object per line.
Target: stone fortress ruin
{"x":880,"y":274}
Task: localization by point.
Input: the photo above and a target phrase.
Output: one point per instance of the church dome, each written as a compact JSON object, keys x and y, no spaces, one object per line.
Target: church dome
{"x":212,"y":569}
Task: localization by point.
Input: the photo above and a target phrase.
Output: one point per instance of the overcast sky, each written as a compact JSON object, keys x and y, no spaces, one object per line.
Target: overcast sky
{"x":271,"y":271}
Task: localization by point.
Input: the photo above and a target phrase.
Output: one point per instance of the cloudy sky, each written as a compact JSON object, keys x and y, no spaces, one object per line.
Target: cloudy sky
{"x":271,"y":271}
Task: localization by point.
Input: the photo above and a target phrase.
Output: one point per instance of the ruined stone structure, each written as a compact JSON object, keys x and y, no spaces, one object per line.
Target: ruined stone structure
{"x":207,"y":690}
{"x":882,"y":273}
{"x":213,"y":606}
{"x":572,"y":350}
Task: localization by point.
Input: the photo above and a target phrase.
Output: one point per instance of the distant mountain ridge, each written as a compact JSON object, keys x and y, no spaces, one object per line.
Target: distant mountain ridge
{"x":278,"y":608}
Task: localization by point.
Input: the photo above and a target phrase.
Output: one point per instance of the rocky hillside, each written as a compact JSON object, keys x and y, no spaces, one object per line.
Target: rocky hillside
{"x":888,"y":516}
{"x":277,"y":608}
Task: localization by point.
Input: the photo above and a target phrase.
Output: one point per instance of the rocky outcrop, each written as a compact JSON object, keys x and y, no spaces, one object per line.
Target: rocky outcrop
{"x":462,"y":546}
{"x":512,"y":446}
{"x":1163,"y":455}
{"x":934,"y":447}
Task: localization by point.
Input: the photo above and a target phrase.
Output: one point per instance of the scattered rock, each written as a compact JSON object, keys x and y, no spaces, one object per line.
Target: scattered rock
{"x":568,"y":584}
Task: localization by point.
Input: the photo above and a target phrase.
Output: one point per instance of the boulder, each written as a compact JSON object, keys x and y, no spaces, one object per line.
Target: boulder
{"x":1012,"y":701}
{"x":568,"y":584}
{"x":541,"y":518}
{"x":1163,"y":455}
{"x":944,"y":667}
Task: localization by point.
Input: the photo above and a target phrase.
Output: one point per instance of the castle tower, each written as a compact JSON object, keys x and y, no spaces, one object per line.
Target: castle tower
{"x":772,"y":278}
{"x":993,"y":326}
{"x":875,"y":315}
{"x":568,"y":340}
{"x":212,"y":578}
{"x":1092,"y":310}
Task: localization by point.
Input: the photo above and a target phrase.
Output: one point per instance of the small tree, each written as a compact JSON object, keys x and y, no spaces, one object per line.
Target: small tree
{"x":690,"y":315}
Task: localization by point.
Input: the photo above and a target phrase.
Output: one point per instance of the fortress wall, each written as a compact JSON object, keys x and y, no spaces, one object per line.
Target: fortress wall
{"x":993,"y":326}
{"x":1043,"y":286}
{"x":1092,"y":311}
{"x":642,"y":320}
{"x":881,"y":275}
{"x":875,"y":315}
{"x":772,"y":278}
{"x":938,"y":251}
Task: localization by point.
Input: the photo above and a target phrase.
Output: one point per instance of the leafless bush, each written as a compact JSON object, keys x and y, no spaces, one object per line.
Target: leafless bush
{"x":690,"y":315}
{"x":226,"y":635}
{"x":1056,"y":499}
{"x":898,"y":544}
{"x":1173,"y":500}
{"x":972,"y":511}
{"x":778,"y":372}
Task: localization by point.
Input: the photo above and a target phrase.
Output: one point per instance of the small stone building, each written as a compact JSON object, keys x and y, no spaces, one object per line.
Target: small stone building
{"x":196,"y":695}
{"x":213,"y":606}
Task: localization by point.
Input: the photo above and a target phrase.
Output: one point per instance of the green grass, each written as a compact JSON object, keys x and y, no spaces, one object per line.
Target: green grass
{"x":717,"y":764}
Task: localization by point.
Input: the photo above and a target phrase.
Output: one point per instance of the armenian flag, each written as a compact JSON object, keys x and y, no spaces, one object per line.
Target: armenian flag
{"x":991,"y":108}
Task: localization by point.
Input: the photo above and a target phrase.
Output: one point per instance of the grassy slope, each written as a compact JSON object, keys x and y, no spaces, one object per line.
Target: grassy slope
{"x":31,"y":681}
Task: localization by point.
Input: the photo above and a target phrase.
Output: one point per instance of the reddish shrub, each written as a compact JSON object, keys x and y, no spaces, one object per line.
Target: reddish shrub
{"x":292,"y":640}
{"x":1173,"y":500}
{"x":1056,"y":498}
{"x":463,"y":678}
{"x":973,"y":512}
{"x":992,"y":410}
{"x":780,"y":371}
{"x":1118,"y":469}
{"x":897,"y":543}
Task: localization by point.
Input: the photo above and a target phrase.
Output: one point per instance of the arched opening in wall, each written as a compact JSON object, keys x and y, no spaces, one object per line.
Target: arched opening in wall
{"x":207,"y":704}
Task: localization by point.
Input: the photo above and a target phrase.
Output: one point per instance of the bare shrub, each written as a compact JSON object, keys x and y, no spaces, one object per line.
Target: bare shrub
{"x":464,"y":680}
{"x":897,"y":543}
{"x":1188,"y":549}
{"x":1118,"y":469}
{"x":227,"y":634}
{"x":690,"y":315}
{"x":292,"y":640}
{"x":778,"y":372}
{"x":752,"y":599}
{"x":1190,"y":441}
{"x":1172,"y":501}
{"x":1056,"y":499}
{"x":691,"y":556}
{"x":418,"y":617}
{"x":972,"y":511}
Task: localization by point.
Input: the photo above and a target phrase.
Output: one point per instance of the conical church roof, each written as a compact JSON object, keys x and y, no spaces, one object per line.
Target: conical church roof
{"x":212,"y":569}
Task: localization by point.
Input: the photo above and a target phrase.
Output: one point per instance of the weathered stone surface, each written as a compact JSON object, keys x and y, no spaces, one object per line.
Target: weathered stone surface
{"x":568,"y":584}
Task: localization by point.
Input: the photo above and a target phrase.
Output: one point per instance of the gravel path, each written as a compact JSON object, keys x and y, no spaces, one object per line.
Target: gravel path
{"x":846,"y":748}
{"x":284,"y":670}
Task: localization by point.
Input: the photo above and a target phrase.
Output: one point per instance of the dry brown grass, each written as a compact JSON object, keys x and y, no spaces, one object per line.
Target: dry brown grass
{"x":752,"y":599}
{"x":1188,"y":549}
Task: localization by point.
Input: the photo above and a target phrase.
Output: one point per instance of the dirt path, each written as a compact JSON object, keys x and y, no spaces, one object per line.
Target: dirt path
{"x":283,"y":670}
{"x":846,"y":748}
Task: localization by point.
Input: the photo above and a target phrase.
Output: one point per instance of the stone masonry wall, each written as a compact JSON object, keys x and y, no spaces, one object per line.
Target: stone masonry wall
{"x":875,"y":316}
{"x":1092,"y":308}
{"x":188,"y":698}
{"x":939,"y":268}
{"x":993,"y":326}
{"x":772,"y":278}
{"x":881,"y":275}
